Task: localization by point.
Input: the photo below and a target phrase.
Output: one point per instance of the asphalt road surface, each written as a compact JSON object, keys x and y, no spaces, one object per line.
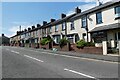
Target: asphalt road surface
{"x":29,"y":63}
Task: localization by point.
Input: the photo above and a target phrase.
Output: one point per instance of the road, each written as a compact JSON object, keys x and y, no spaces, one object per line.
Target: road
{"x":30,"y":63}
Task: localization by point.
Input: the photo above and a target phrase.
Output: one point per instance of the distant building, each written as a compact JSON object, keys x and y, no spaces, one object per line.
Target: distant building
{"x":4,"y":40}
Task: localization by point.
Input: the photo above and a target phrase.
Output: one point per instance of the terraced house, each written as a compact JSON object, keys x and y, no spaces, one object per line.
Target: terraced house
{"x":99,"y":24}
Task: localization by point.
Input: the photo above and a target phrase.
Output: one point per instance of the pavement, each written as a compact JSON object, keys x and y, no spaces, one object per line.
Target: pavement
{"x":109,"y":57}
{"x":37,"y":63}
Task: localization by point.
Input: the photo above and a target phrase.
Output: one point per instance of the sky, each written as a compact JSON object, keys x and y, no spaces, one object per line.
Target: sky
{"x":29,"y":13}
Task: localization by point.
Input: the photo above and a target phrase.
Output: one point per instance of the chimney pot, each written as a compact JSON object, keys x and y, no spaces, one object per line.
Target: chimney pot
{"x":44,"y":22}
{"x":38,"y":25}
{"x":2,"y":34}
{"x":25,"y":30}
{"x":33,"y":27}
{"x":63,"y":15}
{"x":29,"y":29}
{"x":77,"y":10}
{"x":52,"y":20}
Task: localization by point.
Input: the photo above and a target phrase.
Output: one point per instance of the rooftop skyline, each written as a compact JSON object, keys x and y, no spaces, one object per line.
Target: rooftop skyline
{"x":27,"y":14}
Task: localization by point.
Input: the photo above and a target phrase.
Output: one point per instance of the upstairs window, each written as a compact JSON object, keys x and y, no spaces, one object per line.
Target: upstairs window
{"x":99,"y":18}
{"x":72,"y":25}
{"x":84,"y":22}
{"x":56,"y":28}
{"x":44,"y":31}
{"x":50,"y":29}
{"x":117,"y":12}
{"x":63,"y":26}
{"x":36,"y":33}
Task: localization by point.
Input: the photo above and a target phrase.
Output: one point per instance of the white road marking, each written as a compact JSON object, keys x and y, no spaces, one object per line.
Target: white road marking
{"x":81,"y":58}
{"x":7,"y":49}
{"x":49,"y":53}
{"x":79,"y":73}
{"x":36,"y":51}
{"x":33,"y":58}
{"x":76,"y":57}
{"x":44,"y":52}
{"x":87,"y":59}
{"x":15,"y":52}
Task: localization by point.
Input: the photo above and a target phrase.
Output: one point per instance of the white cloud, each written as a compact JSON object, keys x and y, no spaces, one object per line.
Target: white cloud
{"x":88,"y":5}
{"x":46,"y":0}
{"x":14,"y":29}
{"x":70,"y":13}
{"x":19,"y":22}
{"x":86,"y":0}
{"x":82,"y":7}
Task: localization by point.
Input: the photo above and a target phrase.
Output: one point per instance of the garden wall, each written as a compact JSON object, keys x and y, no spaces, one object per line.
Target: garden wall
{"x":90,"y":50}
{"x":44,"y":46}
{"x":64,"y":48}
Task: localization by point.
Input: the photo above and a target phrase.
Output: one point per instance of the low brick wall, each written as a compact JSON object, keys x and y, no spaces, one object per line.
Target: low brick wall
{"x":27,"y":45}
{"x":90,"y":50}
{"x":44,"y":46}
{"x":64,"y":48}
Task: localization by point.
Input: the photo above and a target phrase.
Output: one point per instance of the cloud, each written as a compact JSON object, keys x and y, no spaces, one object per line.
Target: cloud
{"x":86,"y":1}
{"x":88,"y":5}
{"x":70,"y":13}
{"x":46,"y":0}
{"x":14,"y":29}
{"x":19,"y":23}
{"x":82,"y":7}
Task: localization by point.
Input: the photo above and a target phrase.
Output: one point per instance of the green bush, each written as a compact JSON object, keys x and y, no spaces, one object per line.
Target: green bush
{"x":90,"y":44}
{"x":82,"y":43}
{"x":45,"y":41}
{"x":63,"y":42}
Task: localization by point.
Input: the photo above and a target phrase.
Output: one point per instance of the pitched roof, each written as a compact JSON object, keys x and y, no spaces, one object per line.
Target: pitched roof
{"x":108,"y":4}
{"x":106,"y":27}
{"x":58,"y":21}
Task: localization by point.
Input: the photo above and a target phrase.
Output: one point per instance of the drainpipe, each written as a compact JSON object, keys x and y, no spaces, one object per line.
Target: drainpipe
{"x":65,"y":29}
{"x":87,"y":27}
{"x":119,"y":46}
{"x":20,"y":35}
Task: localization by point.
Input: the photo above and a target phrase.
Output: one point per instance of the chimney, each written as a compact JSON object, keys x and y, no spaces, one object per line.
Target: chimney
{"x":52,"y":20}
{"x":44,"y":22}
{"x":33,"y":27}
{"x":29,"y":29}
{"x":77,"y":10}
{"x":38,"y":25}
{"x":17,"y":32}
{"x":25,"y":30}
{"x":63,"y":15}
{"x":98,"y":3}
{"x":2,"y":34}
{"x":22,"y":31}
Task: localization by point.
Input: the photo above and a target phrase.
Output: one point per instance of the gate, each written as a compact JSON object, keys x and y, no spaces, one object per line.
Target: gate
{"x":113,"y":47}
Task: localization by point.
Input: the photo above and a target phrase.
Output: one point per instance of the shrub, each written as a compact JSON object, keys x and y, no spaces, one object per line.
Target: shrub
{"x":90,"y":44}
{"x":63,"y":42}
{"x":80,"y":43}
{"x":45,"y":41}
